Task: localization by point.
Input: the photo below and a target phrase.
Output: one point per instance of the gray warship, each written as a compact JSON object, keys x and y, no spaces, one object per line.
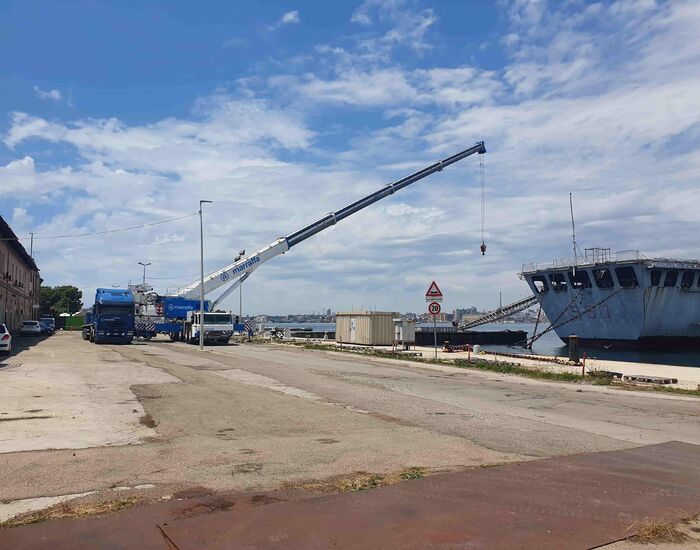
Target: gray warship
{"x":621,"y":299}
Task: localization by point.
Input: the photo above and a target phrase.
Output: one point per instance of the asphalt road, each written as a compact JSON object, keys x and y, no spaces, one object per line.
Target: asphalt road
{"x":76,"y":417}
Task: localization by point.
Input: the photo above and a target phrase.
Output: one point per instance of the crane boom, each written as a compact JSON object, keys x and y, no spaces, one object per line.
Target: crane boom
{"x":234,"y":272}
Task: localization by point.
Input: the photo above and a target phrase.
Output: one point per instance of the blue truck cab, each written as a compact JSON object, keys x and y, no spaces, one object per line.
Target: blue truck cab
{"x":112,"y":317}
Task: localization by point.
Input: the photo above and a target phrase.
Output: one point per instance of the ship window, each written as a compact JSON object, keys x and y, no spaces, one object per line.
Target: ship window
{"x":540,"y":283}
{"x":671,"y":277}
{"x":579,"y":279}
{"x":626,"y":277}
{"x":603,"y":278}
{"x":687,"y":279}
{"x":655,"y":277}
{"x":558,"y":282}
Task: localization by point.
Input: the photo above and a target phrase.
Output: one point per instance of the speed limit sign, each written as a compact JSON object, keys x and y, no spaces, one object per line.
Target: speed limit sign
{"x":433,"y":308}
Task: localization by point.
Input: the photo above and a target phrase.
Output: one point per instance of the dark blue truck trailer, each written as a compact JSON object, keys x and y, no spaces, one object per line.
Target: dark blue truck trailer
{"x":111,"y":319}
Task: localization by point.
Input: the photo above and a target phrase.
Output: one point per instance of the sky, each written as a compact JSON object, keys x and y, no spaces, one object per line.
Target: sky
{"x":122,"y":114}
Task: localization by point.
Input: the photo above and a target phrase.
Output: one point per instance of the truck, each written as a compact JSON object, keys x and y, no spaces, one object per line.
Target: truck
{"x":179,"y":318}
{"x":111,"y":319}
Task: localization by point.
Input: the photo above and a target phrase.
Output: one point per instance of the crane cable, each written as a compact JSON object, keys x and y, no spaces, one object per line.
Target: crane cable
{"x":483,"y":204}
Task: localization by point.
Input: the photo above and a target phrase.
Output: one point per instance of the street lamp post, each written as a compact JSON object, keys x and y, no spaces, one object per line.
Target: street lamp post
{"x":144,"y":270}
{"x":201,"y":271}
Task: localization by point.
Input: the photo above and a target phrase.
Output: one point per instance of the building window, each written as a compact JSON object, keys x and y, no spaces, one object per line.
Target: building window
{"x":626,"y":277}
{"x":579,"y":279}
{"x":671,"y":277}
{"x":603,"y":278}
{"x":558,"y":282}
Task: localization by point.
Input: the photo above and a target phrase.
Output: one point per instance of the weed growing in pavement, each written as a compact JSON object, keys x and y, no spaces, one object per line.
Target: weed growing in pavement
{"x":656,"y":532}
{"x":413,"y":473}
{"x":69,"y":510}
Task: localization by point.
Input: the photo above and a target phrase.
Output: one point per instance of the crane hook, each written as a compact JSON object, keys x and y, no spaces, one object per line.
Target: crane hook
{"x":483,"y":203}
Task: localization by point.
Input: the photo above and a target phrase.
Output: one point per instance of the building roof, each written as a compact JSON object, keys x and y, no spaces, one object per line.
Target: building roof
{"x":12,"y":240}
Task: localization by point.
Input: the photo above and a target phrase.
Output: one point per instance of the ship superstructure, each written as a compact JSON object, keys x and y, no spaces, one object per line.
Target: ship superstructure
{"x":620,"y":299}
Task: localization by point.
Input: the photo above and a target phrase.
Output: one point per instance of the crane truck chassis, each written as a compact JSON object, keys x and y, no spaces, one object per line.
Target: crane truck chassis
{"x":179,"y":318}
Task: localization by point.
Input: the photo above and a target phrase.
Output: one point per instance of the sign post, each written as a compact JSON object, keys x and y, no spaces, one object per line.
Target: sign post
{"x":434,"y":296}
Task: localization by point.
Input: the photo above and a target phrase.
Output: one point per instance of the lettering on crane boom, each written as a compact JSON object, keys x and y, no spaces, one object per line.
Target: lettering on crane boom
{"x":249,"y":263}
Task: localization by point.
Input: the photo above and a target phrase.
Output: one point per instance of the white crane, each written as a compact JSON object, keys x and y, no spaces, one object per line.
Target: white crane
{"x":238,"y":271}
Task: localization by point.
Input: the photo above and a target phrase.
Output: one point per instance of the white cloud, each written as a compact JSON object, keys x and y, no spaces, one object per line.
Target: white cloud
{"x":21,"y":218}
{"x":288,"y":18}
{"x":405,"y":25}
{"x":55,"y":95}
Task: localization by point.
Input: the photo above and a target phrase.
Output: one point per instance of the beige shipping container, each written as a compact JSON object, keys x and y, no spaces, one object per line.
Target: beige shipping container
{"x":369,"y":328}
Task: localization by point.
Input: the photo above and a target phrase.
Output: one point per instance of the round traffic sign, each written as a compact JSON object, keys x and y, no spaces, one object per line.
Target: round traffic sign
{"x":433,"y":308}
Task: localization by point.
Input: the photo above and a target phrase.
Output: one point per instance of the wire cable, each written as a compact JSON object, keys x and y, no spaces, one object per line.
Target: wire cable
{"x":151,"y":224}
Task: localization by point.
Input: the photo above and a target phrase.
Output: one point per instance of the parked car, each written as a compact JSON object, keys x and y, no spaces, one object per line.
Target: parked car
{"x":49,"y":321}
{"x":30,"y":328}
{"x":5,"y":339}
{"x":46,"y":328}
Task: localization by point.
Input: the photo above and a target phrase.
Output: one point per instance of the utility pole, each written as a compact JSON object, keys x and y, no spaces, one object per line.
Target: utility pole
{"x":144,"y":270}
{"x":201,"y":272}
{"x":31,"y":245}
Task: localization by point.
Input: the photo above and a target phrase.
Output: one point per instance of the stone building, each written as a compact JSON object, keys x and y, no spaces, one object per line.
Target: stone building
{"x":19,"y":281}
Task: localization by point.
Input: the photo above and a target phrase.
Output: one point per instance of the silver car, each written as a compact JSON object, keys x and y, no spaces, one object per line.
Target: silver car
{"x":5,"y":340}
{"x":30,"y":328}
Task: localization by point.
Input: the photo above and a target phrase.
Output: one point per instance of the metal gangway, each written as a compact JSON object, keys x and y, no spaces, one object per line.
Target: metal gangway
{"x":500,"y":313}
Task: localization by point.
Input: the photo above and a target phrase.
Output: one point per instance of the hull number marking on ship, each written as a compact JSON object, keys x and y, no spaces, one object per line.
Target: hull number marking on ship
{"x":603,"y":312}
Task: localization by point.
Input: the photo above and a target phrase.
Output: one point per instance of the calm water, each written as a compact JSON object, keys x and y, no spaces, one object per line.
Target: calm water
{"x":549,"y":344}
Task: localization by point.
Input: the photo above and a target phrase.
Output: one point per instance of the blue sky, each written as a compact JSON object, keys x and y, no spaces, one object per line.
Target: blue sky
{"x":118,"y":114}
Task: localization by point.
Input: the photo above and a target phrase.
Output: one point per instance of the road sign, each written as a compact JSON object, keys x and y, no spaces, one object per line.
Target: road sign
{"x":434,"y":293}
{"x":434,"y":308}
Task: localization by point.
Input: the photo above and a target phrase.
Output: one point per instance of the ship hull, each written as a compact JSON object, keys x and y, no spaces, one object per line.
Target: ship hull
{"x":655,"y":343}
{"x":651,"y":304}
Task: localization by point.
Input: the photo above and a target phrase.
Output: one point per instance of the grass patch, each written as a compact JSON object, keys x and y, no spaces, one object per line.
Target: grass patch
{"x":359,"y":481}
{"x":69,"y":510}
{"x":656,"y":532}
{"x":509,"y":368}
{"x":593,"y":377}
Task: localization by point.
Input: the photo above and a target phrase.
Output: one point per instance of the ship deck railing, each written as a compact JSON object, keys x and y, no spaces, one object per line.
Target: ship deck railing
{"x":593,"y":258}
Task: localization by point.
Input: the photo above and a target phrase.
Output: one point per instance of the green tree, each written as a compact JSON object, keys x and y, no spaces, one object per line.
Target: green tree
{"x":60,"y":299}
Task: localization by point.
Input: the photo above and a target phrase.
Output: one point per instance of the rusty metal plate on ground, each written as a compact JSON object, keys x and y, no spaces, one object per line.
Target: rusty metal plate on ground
{"x":580,"y":501}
